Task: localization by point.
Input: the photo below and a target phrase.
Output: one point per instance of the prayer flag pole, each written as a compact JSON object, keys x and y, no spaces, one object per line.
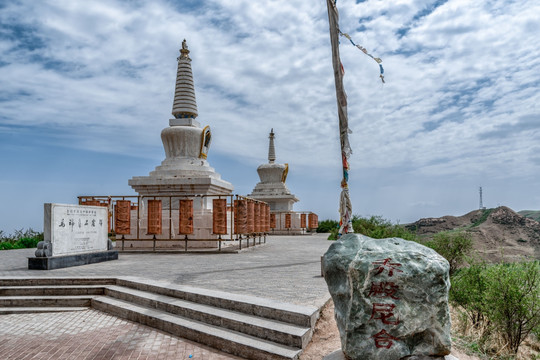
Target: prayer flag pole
{"x":345,"y":206}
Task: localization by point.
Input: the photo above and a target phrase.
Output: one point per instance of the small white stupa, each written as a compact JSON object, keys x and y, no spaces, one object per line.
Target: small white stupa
{"x":185,"y":170}
{"x":272,"y":188}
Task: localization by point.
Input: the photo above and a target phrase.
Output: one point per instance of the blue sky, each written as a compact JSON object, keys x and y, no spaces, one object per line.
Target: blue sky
{"x":87,"y":87}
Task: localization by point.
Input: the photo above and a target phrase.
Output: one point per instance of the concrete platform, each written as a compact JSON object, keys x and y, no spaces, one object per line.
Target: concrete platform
{"x":287,"y":269}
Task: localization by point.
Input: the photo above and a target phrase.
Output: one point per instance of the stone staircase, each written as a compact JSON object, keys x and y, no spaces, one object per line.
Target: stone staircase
{"x":245,"y":326}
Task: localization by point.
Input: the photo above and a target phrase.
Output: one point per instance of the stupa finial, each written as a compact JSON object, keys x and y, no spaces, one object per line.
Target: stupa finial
{"x":185,"y":104}
{"x":271,"y":148}
{"x":184,"y":52}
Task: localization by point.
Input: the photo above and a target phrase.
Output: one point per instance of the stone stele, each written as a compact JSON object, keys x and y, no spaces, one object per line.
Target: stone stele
{"x":390,"y":297}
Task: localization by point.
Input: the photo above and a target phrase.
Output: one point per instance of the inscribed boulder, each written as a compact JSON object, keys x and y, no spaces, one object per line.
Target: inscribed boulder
{"x":390,"y":297}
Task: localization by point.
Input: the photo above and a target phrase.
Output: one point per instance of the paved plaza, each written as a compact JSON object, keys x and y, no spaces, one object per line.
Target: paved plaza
{"x":91,"y":334}
{"x":286,"y":269}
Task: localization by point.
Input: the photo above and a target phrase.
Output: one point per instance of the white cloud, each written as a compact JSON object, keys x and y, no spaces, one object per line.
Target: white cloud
{"x":96,"y":72}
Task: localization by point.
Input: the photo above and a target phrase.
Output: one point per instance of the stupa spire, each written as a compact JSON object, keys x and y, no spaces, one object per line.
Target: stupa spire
{"x":185,"y":103}
{"x":271,"y":148}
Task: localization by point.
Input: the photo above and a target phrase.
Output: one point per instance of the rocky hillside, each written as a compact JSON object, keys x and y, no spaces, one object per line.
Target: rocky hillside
{"x":498,"y":233}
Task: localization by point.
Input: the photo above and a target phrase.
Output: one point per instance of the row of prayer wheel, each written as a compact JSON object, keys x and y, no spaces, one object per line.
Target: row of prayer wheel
{"x":313,"y":221}
{"x":185,"y":221}
{"x":249,"y":217}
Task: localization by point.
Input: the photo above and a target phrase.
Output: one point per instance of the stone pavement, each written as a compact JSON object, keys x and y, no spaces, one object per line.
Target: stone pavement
{"x":91,"y":334}
{"x":286,"y":268}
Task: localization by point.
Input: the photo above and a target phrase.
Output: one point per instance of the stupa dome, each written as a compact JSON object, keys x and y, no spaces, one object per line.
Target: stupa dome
{"x":272,"y":188}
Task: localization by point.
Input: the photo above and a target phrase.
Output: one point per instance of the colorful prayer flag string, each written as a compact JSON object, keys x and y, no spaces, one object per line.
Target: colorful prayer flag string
{"x":345,"y":206}
{"x":364,"y":50}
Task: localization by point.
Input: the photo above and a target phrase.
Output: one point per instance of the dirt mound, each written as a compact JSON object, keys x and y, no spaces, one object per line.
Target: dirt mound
{"x":498,"y":234}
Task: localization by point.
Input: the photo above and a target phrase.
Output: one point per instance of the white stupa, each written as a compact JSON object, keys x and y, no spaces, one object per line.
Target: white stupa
{"x":272,"y":188}
{"x":185,"y":170}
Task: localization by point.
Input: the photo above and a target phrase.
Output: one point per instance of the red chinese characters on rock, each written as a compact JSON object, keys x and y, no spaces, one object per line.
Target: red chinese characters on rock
{"x":385,"y":264}
{"x":384,"y":311}
{"x":383,"y":339}
{"x":384,"y":289}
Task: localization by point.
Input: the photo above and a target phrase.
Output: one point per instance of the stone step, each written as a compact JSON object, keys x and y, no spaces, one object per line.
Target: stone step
{"x":30,"y":281}
{"x":299,"y":315}
{"x":272,"y":330}
{"x":45,"y":301}
{"x":45,"y":290}
{"x":36,"y":309}
{"x":232,"y":342}
{"x":304,"y":316}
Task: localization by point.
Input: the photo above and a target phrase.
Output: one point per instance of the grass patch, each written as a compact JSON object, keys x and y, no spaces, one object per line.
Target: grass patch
{"x":483,"y":218}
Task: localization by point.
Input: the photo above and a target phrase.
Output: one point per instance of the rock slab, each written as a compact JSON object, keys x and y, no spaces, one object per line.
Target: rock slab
{"x":390,"y":298}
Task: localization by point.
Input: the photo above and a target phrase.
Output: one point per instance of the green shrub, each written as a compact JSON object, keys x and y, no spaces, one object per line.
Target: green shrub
{"x":379,"y":228}
{"x":334,"y":234}
{"x":468,"y":289}
{"x":27,"y":243}
{"x":513,"y":296}
{"x":327,"y":226}
{"x":21,"y":233}
{"x":20,"y":239}
{"x":6,"y":245}
{"x":505,"y":297}
{"x":453,"y":246}
{"x":375,"y":227}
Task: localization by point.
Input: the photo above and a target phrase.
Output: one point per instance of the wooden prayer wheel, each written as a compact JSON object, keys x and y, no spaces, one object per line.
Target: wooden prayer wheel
{"x":263,"y":217}
{"x":240,"y":216}
{"x":303,"y":220}
{"x":154,"y":217}
{"x":262,"y":221}
{"x":185,"y":214}
{"x":287,"y":221}
{"x":90,"y":202}
{"x":122,"y":217}
{"x":257,"y":217}
{"x":273,"y":221}
{"x":250,"y":216}
{"x":109,"y":214}
{"x":313,"y":221}
{"x":266,"y":217}
{"x":219,"y":216}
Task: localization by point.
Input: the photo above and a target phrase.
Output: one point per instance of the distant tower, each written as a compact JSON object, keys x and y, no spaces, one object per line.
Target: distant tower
{"x":272,"y":188}
{"x":481,"y":202}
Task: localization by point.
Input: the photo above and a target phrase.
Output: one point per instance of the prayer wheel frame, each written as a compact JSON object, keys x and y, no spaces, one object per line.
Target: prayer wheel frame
{"x":225,"y":227}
